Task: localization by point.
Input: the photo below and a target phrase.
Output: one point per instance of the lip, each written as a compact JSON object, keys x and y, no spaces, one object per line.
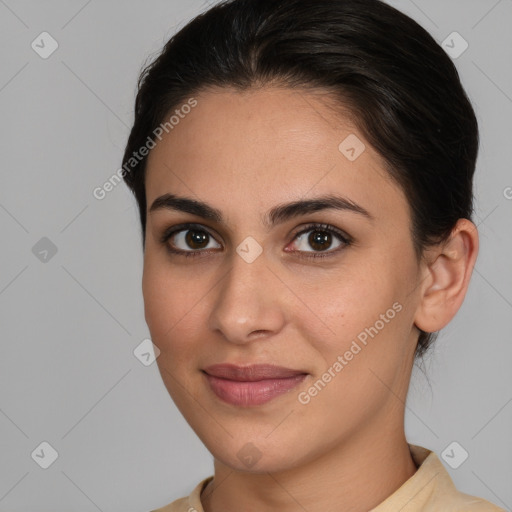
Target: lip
{"x":251,"y":385}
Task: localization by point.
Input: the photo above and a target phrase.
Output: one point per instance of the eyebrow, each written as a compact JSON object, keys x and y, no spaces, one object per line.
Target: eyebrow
{"x":278,"y":214}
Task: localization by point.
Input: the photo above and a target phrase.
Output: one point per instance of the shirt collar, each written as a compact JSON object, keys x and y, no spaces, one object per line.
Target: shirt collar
{"x":431,"y":486}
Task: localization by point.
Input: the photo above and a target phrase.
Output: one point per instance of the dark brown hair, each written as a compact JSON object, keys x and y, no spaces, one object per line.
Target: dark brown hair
{"x":402,"y":89}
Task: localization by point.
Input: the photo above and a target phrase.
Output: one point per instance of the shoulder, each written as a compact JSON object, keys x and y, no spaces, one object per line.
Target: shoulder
{"x":179,"y":505}
{"x":191,"y":503}
{"x":461,"y":502}
{"x":431,"y":489}
{"x":441,"y":493}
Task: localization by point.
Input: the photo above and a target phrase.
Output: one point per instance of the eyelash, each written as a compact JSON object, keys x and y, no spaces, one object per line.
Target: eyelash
{"x":343,"y":237}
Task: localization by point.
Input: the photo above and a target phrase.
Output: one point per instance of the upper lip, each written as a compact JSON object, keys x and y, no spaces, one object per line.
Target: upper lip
{"x":251,"y":373}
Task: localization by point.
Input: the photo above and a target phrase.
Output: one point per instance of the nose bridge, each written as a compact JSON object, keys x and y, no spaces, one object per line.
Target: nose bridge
{"x":245,"y":301}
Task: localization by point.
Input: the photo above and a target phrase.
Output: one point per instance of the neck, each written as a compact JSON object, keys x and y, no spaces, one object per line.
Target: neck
{"x":355,"y":476}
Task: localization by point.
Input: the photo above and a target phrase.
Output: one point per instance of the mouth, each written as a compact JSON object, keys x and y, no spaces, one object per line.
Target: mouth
{"x":253,"y":385}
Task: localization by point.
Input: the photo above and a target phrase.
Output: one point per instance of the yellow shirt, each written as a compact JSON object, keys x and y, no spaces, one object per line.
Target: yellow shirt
{"x":430,"y":489}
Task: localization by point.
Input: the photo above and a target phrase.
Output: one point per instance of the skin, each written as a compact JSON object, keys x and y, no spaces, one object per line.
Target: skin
{"x":244,"y":153}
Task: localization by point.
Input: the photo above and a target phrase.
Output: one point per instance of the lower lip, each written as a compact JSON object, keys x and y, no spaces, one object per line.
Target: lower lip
{"x":245,"y":393}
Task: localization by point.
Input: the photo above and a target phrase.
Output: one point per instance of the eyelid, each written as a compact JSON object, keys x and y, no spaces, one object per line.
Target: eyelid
{"x":300,"y":230}
{"x":344,"y":237}
{"x":176,"y":228}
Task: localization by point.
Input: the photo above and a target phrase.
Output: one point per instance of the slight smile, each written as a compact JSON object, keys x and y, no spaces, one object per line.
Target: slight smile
{"x":252,"y":385}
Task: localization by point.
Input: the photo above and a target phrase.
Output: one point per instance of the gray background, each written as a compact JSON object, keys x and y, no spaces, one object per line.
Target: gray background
{"x":69,"y":325}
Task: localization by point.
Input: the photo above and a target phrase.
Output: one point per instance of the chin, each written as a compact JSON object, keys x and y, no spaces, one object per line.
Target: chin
{"x":256,"y":457}
{"x":260,"y":465}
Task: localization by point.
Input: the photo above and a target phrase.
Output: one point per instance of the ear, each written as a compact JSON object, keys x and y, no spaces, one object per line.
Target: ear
{"x":446,"y":271}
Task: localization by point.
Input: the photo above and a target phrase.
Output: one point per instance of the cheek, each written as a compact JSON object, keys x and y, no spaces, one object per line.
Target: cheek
{"x":365,"y":323}
{"x":362,"y":348}
{"x":345,"y":304}
{"x":171,"y":312}
{"x":170,"y":306}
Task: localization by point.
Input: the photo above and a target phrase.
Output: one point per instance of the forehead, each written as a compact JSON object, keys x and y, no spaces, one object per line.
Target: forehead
{"x":266,"y":145}
{"x":281,"y":120}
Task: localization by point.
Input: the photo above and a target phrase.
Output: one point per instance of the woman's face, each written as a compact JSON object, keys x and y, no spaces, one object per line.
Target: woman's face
{"x":251,"y":291}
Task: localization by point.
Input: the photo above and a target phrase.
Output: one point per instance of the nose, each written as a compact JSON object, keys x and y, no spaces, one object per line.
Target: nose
{"x":248,"y":304}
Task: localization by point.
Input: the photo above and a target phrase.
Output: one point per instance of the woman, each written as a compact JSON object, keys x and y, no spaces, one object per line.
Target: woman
{"x":303,"y":171}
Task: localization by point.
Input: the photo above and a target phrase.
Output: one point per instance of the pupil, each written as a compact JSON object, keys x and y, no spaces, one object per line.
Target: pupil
{"x":196,"y":238}
{"x":318,"y":238}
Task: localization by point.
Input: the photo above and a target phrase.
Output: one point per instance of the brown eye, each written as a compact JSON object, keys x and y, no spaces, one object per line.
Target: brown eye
{"x":196,"y":239}
{"x":189,"y":241}
{"x":321,"y":238}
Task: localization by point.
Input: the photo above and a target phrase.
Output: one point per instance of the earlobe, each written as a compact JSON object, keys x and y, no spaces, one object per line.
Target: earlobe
{"x":448,"y":274}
